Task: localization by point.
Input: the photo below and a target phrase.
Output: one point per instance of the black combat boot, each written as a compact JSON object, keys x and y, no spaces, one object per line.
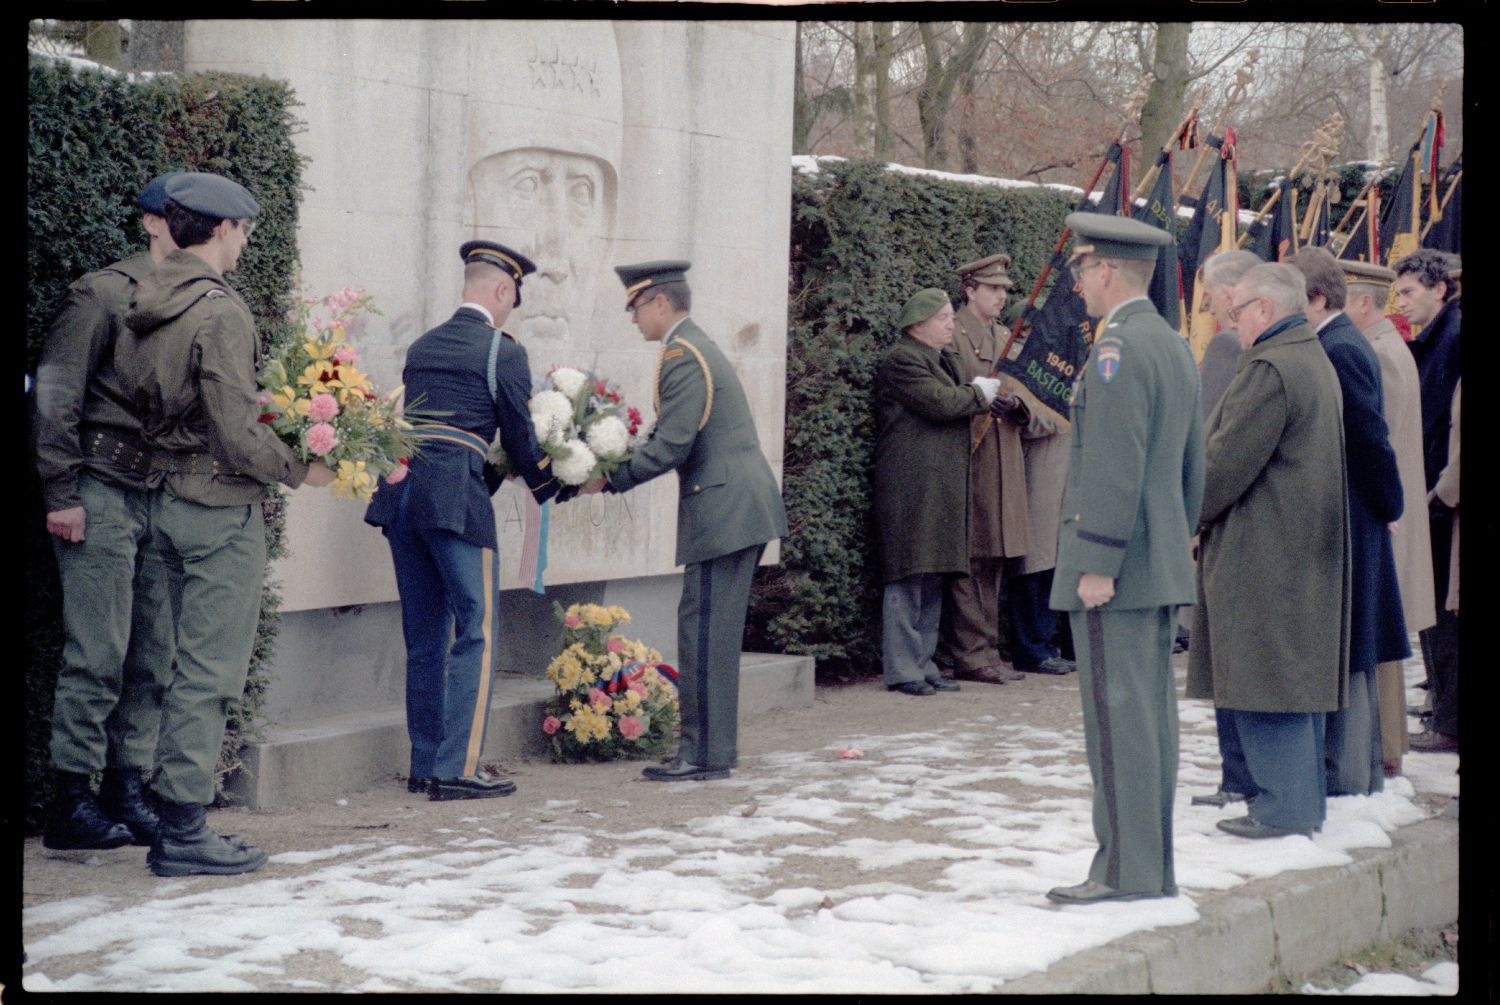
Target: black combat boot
{"x":185,"y":845}
{"x":120,"y":798}
{"x":74,"y":820}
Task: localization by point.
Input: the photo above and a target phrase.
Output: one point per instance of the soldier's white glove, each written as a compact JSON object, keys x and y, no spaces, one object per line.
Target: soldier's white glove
{"x":988,"y":386}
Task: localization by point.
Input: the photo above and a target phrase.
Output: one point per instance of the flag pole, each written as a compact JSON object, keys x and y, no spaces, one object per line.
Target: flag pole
{"x":1443,"y":205}
{"x":1236,"y":93}
{"x":1149,"y":178}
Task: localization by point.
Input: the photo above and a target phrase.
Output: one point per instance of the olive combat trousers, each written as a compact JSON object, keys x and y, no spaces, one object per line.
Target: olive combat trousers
{"x":117,"y":654}
{"x":217,"y":558}
{"x":1130,"y":732}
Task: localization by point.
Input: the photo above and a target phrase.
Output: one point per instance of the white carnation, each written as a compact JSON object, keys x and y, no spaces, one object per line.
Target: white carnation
{"x":569,"y":381}
{"x":551,"y":416}
{"x":608,"y":438}
{"x":573,"y":463}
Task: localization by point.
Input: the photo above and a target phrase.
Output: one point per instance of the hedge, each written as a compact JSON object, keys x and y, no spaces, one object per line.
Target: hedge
{"x":94,"y":139}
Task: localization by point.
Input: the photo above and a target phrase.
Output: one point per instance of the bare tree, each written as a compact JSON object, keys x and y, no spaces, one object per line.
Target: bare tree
{"x":940,"y":76}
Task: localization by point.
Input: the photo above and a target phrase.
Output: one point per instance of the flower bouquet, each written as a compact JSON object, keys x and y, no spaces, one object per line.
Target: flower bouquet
{"x":324,"y":407}
{"x":583,"y":424}
{"x":615,"y":698}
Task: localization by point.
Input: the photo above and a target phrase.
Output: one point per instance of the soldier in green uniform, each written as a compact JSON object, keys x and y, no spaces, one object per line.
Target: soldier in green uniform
{"x":1124,"y":560}
{"x":729,"y":508}
{"x":118,"y":628}
{"x":188,"y":364}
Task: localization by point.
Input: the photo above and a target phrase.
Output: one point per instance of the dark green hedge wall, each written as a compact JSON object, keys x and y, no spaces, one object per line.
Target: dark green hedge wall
{"x":94,"y":140}
{"x":863,"y":240}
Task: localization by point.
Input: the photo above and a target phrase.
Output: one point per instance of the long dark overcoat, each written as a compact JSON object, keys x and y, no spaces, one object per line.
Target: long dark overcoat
{"x":1377,"y":626}
{"x":922,"y":409}
{"x":1271,"y":628}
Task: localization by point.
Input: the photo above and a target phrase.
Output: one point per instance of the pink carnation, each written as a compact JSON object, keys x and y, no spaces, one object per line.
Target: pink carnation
{"x":599,"y":699}
{"x":322,"y":438}
{"x":638,"y":687}
{"x":551,"y":724}
{"x":322,"y":407}
{"x":345,"y":355}
{"x":571,"y":621}
{"x":630,"y":727}
{"x":397,"y":473}
{"x":614,"y":645}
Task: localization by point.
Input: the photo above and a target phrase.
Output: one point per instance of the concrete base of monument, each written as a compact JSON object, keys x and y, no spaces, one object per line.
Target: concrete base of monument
{"x":340,"y":753}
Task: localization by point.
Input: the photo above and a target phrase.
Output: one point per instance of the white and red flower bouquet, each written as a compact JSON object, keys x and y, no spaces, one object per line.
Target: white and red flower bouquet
{"x":583,"y":424}
{"x":321,"y":405}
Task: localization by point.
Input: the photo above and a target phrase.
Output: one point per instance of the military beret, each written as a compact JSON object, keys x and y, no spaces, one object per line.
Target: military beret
{"x":212,"y":195}
{"x":513,"y":262}
{"x":994,"y":270}
{"x":1366,"y":272}
{"x":922,"y":305}
{"x":153,"y":198}
{"x":1115,"y":236}
{"x":645,"y":274}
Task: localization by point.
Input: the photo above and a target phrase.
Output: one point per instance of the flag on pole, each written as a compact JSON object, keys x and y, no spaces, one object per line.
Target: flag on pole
{"x":1273,"y":237}
{"x":1363,"y":244}
{"x":1212,"y":230}
{"x":1401,"y":222}
{"x":1321,"y":230}
{"x":1057,"y":333}
{"x":1160,"y":210}
{"x":1444,"y":231}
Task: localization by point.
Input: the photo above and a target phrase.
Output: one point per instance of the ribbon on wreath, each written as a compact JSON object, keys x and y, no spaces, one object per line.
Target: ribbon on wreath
{"x":628,"y":674}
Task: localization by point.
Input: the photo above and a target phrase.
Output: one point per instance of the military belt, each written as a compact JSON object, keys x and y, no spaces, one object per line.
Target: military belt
{"x":189,"y":464}
{"x":126,"y":452}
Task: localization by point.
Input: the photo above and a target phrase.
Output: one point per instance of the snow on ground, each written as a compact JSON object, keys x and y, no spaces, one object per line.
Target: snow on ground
{"x":1438,"y":979}
{"x":942,"y":871}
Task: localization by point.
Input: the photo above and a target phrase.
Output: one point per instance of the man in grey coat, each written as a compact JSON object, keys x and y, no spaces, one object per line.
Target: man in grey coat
{"x":1271,"y":629}
{"x":1124,"y":561}
{"x":922,"y":410}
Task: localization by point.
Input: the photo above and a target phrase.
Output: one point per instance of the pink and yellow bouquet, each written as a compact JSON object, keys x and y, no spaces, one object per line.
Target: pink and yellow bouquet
{"x":583,"y":424}
{"x":321,"y":405}
{"x":615,"y":698}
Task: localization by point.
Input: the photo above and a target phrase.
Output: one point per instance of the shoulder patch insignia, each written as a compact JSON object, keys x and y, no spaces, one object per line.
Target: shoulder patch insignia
{"x":670,"y":354}
{"x":1107,"y":358}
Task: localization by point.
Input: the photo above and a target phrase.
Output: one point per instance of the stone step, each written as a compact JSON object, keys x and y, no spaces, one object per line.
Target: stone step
{"x":326,"y":757}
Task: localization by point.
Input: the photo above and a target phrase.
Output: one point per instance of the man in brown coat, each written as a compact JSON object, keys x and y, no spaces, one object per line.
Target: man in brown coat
{"x":969,"y":636}
{"x":1368,"y":292}
{"x":1271,"y":629}
{"x":922,"y":410}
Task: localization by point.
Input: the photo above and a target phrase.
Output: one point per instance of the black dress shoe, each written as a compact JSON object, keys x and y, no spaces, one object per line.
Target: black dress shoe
{"x":1249,"y":827}
{"x":1432,"y":742}
{"x":917,"y":688}
{"x":1218,"y":798}
{"x":1089,"y":892}
{"x":417,"y":784}
{"x":943,"y":684}
{"x":683,"y":771}
{"x":468,"y":787}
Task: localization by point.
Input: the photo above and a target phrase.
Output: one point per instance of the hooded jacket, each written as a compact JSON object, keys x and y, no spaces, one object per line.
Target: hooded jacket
{"x":188,"y":362}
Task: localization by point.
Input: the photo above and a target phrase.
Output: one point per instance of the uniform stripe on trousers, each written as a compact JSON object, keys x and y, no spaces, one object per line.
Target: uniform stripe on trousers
{"x":705,"y":632}
{"x":1106,"y":748}
{"x":482,"y":693}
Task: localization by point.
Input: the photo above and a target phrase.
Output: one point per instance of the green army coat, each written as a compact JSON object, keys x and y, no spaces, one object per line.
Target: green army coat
{"x":1271,"y":628}
{"x":77,"y":390}
{"x":1135,"y":478}
{"x":922,"y":410}
{"x":188,"y":362}
{"x":727,"y":494}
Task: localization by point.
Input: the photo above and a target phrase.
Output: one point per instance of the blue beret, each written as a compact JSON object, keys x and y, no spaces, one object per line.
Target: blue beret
{"x":922,"y":305}
{"x":153,"y":198}
{"x":645,"y":274}
{"x":212,"y":195}
{"x":1115,"y":236}
{"x":517,"y":264}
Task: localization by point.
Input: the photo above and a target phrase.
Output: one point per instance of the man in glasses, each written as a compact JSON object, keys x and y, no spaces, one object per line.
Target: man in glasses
{"x":1124,"y":561}
{"x":1271,"y":628}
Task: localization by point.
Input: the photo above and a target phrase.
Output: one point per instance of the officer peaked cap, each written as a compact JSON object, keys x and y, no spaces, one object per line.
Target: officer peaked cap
{"x":1115,"y":236}
{"x":513,"y":262}
{"x":1367,"y":272}
{"x":647,"y":274}
{"x":212,"y":195}
{"x":993,"y":270}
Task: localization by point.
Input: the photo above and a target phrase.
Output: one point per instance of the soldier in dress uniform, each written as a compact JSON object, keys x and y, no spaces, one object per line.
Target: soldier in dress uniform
{"x":1124,"y":560}
{"x":729,"y":508}
{"x":440,"y":523}
{"x":93,"y":465}
{"x":969,"y":637}
{"x":188,"y":365}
